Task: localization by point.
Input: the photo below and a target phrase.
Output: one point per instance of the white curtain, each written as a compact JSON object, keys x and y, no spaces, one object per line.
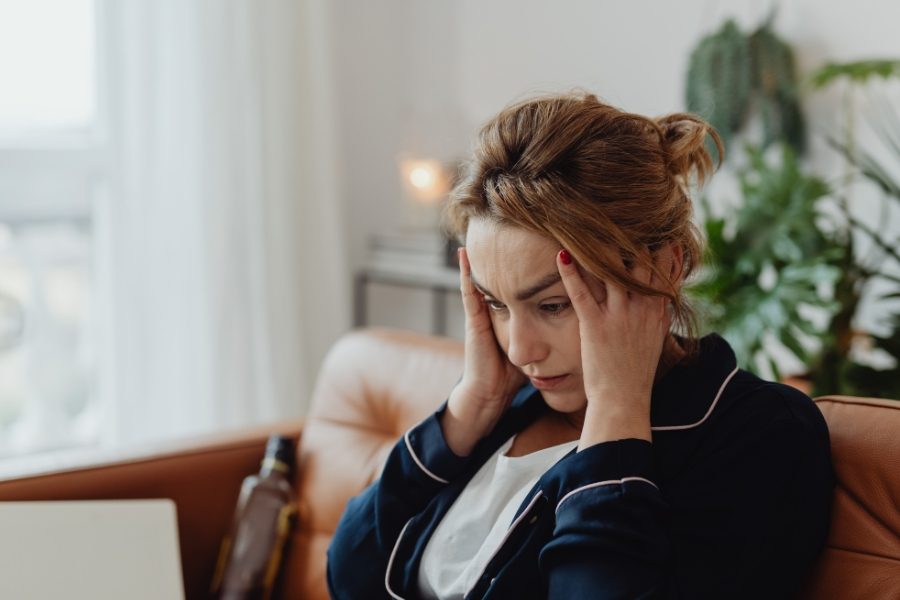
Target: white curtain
{"x":227,"y":276}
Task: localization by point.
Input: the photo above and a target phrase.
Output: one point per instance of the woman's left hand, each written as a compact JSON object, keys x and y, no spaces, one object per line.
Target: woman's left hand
{"x":622,"y":338}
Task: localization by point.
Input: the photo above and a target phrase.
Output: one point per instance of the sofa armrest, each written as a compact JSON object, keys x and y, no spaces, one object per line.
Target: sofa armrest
{"x":202,"y":475}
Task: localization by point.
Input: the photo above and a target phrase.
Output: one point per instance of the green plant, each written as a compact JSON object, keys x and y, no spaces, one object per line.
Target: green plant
{"x":732,"y":76}
{"x":835,"y":369}
{"x":768,"y":260}
{"x":778,"y":262}
{"x":860,"y":71}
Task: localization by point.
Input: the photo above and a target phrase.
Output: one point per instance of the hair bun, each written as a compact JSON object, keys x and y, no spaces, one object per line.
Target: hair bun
{"x":684,"y":141}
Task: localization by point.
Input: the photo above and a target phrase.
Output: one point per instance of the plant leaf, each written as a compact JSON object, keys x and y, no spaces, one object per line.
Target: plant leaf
{"x":858,"y":72}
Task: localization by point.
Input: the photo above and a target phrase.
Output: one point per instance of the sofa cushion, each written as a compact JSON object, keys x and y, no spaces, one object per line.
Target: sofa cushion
{"x":862,"y":555}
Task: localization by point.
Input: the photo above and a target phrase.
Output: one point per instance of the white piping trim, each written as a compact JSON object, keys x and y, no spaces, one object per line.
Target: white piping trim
{"x":708,"y":412}
{"x":387,"y":573}
{"x":508,"y":533}
{"x":419,"y":462}
{"x":602,"y":483}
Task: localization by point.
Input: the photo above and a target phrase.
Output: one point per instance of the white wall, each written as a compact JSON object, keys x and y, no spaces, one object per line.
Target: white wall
{"x":422,"y":75}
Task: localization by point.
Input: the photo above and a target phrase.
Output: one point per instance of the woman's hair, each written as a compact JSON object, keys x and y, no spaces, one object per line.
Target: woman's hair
{"x":590,"y":175}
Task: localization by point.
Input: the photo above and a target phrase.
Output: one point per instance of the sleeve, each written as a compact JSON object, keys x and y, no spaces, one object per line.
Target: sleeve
{"x":751,"y":517}
{"x":418,"y":468}
{"x":610,"y":538}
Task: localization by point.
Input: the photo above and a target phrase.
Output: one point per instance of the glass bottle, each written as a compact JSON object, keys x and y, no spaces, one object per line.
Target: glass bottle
{"x":250,"y":556}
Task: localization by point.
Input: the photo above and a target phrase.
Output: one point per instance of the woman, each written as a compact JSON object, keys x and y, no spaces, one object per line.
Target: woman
{"x":594,"y":447}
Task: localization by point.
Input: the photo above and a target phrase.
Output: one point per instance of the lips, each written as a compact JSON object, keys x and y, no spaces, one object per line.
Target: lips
{"x":548,"y":383}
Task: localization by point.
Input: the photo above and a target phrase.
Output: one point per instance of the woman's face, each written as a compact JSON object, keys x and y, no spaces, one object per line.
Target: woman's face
{"x":533,"y":320}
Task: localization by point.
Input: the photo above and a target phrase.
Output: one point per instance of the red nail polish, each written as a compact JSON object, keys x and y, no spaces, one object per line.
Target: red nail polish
{"x":565,"y":257}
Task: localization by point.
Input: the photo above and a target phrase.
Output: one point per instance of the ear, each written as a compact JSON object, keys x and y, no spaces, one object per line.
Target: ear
{"x":670,"y":259}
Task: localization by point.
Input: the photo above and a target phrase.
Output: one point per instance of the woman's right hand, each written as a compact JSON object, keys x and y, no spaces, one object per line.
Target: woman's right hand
{"x":489,"y":380}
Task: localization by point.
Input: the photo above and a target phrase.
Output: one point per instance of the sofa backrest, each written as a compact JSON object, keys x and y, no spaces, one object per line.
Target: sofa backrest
{"x":861,"y":559}
{"x":375,"y":384}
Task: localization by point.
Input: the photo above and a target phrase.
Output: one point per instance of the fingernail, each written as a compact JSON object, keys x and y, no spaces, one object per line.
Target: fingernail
{"x":565,"y":257}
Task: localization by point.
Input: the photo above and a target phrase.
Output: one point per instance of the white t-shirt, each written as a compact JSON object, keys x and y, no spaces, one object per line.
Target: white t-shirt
{"x":474,"y":527}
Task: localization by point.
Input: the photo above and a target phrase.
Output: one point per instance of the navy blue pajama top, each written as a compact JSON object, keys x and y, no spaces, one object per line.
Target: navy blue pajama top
{"x":731,"y":500}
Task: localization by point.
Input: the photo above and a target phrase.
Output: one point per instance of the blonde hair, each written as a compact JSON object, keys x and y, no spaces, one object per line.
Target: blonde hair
{"x":588,"y":175}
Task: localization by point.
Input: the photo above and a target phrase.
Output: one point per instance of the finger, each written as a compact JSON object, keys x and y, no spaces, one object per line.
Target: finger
{"x":643,"y":270}
{"x":616,"y":295}
{"x":642,"y":274}
{"x":471,"y":298}
{"x":655,"y":283}
{"x":668,"y":316}
{"x":665,"y":314}
{"x":668,"y":306}
{"x":659,"y":281}
{"x":647,"y":274}
{"x":597,"y":288}
{"x":583,"y":301}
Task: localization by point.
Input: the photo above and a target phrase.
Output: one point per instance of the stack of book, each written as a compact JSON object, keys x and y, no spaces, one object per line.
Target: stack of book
{"x":409,"y":251}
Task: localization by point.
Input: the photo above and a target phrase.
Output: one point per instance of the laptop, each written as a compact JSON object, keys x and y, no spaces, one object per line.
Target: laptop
{"x":97,"y":550}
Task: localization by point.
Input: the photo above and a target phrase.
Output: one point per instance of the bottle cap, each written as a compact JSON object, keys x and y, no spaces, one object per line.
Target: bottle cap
{"x":280,"y":449}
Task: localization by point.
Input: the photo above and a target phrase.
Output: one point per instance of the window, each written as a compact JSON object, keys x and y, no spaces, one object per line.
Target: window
{"x":47,"y":61}
{"x":52,"y":171}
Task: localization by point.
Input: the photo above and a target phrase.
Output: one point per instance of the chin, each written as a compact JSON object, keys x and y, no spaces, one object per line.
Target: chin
{"x":565,"y":402}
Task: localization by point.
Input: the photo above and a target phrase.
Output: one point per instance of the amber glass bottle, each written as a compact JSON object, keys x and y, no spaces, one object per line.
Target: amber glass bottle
{"x":250,"y":556}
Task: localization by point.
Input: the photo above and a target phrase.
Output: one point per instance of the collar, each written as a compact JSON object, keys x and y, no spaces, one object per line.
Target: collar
{"x":687,"y":395}
{"x":683,"y":399}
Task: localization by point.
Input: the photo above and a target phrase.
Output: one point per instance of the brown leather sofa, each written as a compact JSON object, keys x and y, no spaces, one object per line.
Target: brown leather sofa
{"x":373,"y":386}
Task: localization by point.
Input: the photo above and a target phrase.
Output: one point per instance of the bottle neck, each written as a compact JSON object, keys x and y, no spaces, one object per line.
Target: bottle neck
{"x":273,"y":465}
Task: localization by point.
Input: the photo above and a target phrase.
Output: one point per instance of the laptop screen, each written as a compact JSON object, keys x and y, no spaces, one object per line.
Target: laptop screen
{"x":97,"y":550}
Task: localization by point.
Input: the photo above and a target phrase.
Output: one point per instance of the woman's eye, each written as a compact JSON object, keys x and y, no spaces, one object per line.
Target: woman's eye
{"x":555,"y":308}
{"x":494,"y":305}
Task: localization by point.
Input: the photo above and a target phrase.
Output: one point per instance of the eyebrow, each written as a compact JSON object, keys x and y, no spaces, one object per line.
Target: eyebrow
{"x":540,"y":286}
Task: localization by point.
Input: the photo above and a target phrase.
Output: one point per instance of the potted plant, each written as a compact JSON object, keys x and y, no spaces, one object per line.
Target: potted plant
{"x":784,"y":276}
{"x":768,"y":263}
{"x":836,"y":368}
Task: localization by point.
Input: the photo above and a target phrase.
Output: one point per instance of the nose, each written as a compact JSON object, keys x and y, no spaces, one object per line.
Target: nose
{"x":525,"y":343}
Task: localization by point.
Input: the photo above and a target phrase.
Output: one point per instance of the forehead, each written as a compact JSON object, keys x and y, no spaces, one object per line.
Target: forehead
{"x":506,"y":254}
{"x":485,"y":233}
